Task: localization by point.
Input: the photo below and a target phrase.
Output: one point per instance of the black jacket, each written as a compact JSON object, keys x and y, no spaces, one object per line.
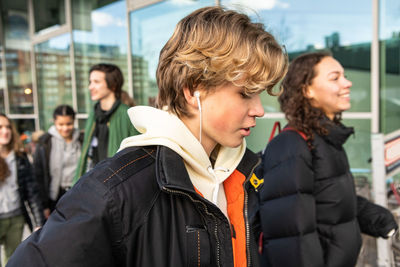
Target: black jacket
{"x":310,"y":214}
{"x":41,"y":165}
{"x":28,"y":191}
{"x":138,"y":208}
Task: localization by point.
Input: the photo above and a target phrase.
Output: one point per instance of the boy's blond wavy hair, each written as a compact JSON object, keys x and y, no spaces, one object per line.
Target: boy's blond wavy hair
{"x":213,"y":46}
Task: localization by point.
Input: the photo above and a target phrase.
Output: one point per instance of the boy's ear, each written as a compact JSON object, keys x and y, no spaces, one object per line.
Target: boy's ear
{"x":190,"y":98}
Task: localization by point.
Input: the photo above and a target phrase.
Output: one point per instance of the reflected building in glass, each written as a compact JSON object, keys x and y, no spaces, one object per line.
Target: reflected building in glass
{"x":47,"y":48}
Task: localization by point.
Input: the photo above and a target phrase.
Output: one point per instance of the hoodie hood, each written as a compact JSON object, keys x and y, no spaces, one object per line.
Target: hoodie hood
{"x":54,"y":133}
{"x":158,"y":127}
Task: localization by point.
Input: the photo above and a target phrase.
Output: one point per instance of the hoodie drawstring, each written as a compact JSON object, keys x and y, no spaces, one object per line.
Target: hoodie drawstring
{"x":216,"y":185}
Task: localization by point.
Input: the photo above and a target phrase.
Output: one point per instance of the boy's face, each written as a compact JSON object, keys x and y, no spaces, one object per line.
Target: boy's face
{"x":98,"y":86}
{"x":228,"y":115}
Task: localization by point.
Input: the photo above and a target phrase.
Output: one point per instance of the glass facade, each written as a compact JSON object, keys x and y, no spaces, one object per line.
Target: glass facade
{"x":17,"y":57}
{"x":390,"y":65}
{"x":48,"y":14}
{"x":53,"y":77}
{"x":305,"y":26}
{"x":65,"y":38}
{"x":2,"y":75}
{"x":99,"y":36}
{"x":160,"y":19}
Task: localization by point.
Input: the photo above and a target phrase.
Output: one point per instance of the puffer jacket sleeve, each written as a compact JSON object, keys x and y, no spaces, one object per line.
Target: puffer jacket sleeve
{"x":287,"y":205}
{"x":40,"y":166}
{"x":76,"y":234}
{"x":373,"y":219}
{"x":29,"y":189}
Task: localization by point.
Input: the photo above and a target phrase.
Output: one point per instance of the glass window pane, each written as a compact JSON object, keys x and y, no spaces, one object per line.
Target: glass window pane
{"x":100,"y":36}
{"x":390,"y":65}
{"x":151,"y":27}
{"x":53,"y":73}
{"x":2,"y":78}
{"x":81,"y":124}
{"x":305,"y":25}
{"x":24,"y":125}
{"x":17,"y":57}
{"x":48,"y":14}
{"x":358,"y":146}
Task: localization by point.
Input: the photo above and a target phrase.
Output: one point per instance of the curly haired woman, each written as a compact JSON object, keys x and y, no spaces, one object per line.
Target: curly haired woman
{"x":310,"y":213}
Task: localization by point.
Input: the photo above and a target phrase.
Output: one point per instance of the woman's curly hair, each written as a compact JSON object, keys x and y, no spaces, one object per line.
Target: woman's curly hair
{"x":298,"y":110}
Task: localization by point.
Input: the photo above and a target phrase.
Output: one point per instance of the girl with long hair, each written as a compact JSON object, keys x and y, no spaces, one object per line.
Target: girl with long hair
{"x":17,"y":186}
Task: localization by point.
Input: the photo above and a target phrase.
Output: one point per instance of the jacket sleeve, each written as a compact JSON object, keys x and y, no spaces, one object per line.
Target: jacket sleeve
{"x":287,"y":205}
{"x":30,"y":190}
{"x":373,"y":219}
{"x":40,"y":172}
{"x":76,"y":234}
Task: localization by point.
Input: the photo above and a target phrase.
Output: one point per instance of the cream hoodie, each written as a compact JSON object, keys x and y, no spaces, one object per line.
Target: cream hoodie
{"x":158,"y":127}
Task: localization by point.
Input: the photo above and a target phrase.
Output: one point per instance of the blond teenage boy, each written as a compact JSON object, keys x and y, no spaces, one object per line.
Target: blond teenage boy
{"x":179,"y":193}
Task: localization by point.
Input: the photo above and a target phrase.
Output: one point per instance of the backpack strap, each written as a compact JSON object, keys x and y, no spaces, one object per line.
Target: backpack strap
{"x":277,"y":125}
{"x":302,"y":134}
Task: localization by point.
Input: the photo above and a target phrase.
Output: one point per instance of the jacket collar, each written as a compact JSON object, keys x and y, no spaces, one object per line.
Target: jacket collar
{"x":172,"y":173}
{"x":337,"y":133}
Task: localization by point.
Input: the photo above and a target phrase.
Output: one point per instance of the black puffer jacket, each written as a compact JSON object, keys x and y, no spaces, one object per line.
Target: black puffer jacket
{"x":310,"y":214}
{"x":29,"y":192}
{"x":138,"y":208}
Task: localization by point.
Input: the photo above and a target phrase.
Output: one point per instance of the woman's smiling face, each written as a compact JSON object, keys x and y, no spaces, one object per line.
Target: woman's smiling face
{"x":330,"y":89}
{"x":5,"y":131}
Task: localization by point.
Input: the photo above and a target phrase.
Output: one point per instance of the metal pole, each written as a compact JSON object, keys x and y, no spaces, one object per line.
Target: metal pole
{"x":375,"y":67}
{"x":129,"y":52}
{"x":384,"y":251}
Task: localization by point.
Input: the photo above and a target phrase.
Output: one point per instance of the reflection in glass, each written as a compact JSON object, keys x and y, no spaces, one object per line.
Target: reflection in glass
{"x":17,"y":56}
{"x":48,"y":14}
{"x":2,"y":79}
{"x":358,"y":146}
{"x":100,"y":36}
{"x":81,"y":124}
{"x":390,"y":66}
{"x":151,"y":27}
{"x":53,"y":73}
{"x":306,"y":25}
{"x":24,"y":125}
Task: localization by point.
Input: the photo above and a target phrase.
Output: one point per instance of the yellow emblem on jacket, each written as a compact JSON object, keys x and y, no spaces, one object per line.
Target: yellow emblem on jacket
{"x":255,"y":182}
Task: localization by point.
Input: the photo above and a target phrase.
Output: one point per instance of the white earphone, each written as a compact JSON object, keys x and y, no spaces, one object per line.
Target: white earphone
{"x":197,"y":96}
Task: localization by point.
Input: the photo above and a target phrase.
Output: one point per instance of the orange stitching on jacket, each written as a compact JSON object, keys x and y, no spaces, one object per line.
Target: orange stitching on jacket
{"x":120,"y":169}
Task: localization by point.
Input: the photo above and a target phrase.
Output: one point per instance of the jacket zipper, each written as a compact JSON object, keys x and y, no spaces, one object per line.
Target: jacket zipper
{"x":246,"y":215}
{"x":247,"y":228}
{"x":207,"y":212}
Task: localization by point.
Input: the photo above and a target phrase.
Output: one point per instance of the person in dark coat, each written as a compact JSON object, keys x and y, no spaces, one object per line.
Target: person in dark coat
{"x":310,"y":213}
{"x":56,"y":157}
{"x":17,"y":187}
{"x":179,"y":193}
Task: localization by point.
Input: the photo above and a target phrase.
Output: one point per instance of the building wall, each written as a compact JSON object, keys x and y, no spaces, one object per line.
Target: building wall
{"x":47,"y":48}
